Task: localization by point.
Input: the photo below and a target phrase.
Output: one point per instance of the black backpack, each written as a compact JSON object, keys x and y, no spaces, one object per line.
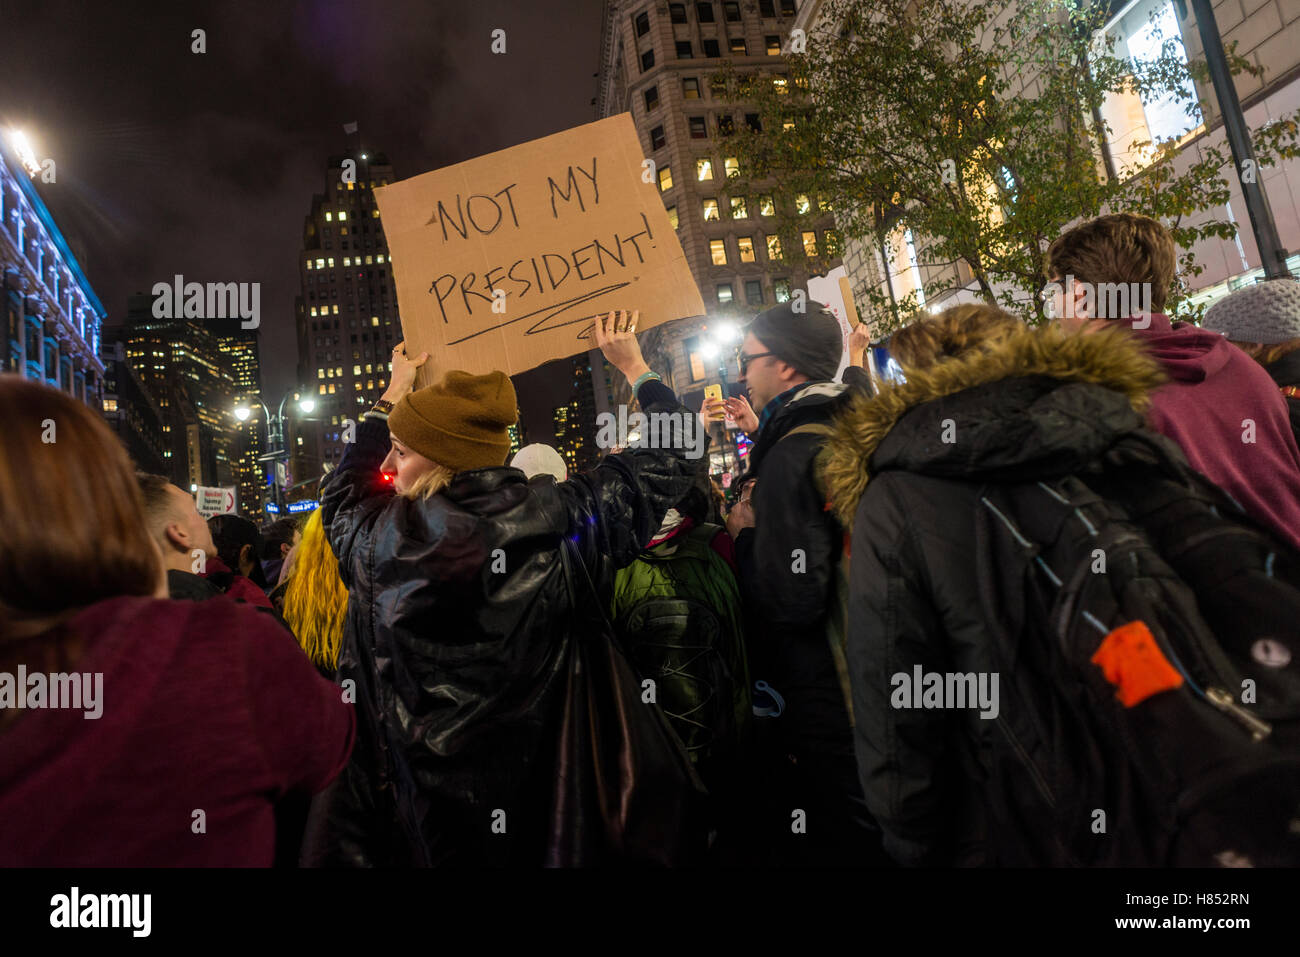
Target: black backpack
{"x":1138,"y":579}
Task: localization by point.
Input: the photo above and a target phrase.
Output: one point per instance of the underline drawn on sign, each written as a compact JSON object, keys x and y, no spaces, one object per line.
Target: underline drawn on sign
{"x":551,"y":312}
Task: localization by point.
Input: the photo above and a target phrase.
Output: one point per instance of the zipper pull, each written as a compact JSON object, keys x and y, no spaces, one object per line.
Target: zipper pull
{"x":1259,"y":730}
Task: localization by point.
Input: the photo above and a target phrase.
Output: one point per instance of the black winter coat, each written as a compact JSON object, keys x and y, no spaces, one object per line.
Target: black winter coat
{"x":457,"y":627}
{"x":909,"y":467}
{"x":787,"y":599}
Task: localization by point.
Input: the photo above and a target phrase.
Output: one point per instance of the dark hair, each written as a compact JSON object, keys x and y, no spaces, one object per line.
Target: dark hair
{"x":72,"y":530}
{"x":230,"y":533}
{"x":695,"y":504}
{"x":280,"y":532}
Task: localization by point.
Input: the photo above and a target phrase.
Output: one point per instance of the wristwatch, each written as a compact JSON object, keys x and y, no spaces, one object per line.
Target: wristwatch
{"x":380,"y":409}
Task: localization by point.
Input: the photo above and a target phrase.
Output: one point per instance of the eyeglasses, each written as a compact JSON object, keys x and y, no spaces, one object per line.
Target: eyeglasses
{"x":744,"y":360}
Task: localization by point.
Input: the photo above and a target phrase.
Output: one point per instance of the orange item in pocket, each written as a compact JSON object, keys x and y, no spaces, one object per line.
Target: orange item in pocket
{"x":1132,"y":661}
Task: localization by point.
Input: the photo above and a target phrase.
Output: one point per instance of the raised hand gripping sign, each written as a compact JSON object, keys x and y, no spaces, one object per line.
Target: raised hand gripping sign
{"x":503,"y":261}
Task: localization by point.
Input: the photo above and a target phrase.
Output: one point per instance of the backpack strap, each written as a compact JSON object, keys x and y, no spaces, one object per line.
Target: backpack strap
{"x":704,"y":532}
{"x":808,"y":428}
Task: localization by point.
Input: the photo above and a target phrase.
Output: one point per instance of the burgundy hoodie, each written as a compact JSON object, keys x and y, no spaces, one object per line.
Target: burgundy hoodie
{"x":202,"y":707}
{"x":240,"y":587}
{"x":1216,"y":393}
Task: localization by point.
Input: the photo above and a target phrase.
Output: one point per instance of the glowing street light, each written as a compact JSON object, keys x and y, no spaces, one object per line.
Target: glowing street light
{"x":307,"y":405}
{"x":242,"y":412}
{"x":26,"y":155}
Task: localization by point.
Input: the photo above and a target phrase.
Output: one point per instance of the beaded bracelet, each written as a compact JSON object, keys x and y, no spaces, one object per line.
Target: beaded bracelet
{"x":644,"y":377}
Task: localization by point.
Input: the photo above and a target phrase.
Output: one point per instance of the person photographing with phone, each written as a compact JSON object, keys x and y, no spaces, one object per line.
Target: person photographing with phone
{"x":790,"y":551}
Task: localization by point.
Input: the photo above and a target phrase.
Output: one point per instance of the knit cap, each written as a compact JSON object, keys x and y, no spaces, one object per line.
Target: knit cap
{"x":460,"y":422}
{"x":1267,"y":313}
{"x":810,"y":341}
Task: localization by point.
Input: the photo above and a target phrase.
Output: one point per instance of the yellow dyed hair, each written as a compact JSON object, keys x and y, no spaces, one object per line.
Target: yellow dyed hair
{"x":316,"y":602}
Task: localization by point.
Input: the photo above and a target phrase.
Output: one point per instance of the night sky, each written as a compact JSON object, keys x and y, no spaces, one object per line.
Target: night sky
{"x":205,"y":164}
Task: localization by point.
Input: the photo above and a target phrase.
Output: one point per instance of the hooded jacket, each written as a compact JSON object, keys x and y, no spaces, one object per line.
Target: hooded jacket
{"x":209,"y":707}
{"x":455,"y":644}
{"x":237,"y":586}
{"x":907,"y":469}
{"x":1230,"y":419}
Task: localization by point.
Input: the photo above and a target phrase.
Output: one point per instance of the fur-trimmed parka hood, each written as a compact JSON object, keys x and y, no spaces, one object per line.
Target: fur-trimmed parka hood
{"x":1031,"y":404}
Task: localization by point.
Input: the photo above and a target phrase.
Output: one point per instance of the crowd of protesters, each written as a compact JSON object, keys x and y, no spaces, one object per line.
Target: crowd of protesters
{"x":1038,"y":603}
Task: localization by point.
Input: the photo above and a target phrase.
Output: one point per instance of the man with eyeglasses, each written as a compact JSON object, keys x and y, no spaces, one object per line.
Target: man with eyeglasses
{"x":789,"y":550}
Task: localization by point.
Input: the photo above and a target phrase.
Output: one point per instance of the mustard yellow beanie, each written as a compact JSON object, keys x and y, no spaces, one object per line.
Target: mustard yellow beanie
{"x":459,"y":422}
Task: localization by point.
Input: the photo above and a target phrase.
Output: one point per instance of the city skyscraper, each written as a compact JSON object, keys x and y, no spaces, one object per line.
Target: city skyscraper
{"x":346,"y":316}
{"x":183,"y":368}
{"x":518,"y":436}
{"x":240,"y":355}
{"x":575,"y":423}
{"x":657,"y":62}
{"x":53,"y":318}
{"x":132,"y":413}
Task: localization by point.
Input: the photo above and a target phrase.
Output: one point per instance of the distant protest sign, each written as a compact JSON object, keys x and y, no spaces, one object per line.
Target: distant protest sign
{"x":502,"y":262}
{"x":832,"y":291}
{"x":214,"y":501}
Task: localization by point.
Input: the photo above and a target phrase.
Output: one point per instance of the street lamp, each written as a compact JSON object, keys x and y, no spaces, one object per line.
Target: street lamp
{"x":26,"y":153}
{"x":273,"y":425}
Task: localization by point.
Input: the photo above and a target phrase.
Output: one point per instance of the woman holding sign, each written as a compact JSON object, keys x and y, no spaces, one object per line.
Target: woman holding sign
{"x":469,"y":613}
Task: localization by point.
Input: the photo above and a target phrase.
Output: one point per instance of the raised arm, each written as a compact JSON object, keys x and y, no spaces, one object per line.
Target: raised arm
{"x":616,"y":508}
{"x":354,"y":494}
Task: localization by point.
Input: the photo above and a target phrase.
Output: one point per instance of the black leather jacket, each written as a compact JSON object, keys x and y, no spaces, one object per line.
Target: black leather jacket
{"x":454,"y":645}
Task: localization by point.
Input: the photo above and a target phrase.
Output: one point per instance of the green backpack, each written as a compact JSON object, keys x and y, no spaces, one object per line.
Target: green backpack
{"x":677,"y":611}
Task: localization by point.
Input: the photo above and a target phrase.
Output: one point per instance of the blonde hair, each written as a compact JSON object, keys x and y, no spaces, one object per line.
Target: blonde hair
{"x":1267,"y":353}
{"x":950,"y":333}
{"x":316,"y":601}
{"x":430,"y":483}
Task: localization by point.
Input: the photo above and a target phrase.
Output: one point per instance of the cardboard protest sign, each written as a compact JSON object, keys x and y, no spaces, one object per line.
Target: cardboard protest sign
{"x":503,"y":261}
{"x":832,"y":291}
